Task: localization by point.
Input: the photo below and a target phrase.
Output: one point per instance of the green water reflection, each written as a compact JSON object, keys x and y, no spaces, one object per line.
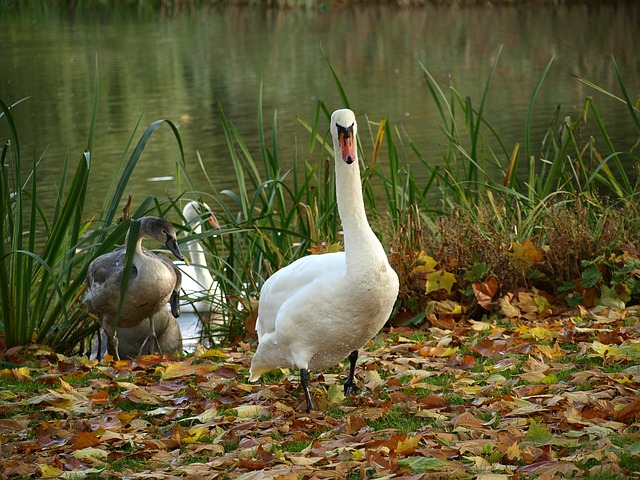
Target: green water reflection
{"x":181,"y":67}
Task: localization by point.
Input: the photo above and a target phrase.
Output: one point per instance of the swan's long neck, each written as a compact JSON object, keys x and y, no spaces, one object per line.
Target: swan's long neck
{"x":360,"y":243}
{"x":198,"y":259}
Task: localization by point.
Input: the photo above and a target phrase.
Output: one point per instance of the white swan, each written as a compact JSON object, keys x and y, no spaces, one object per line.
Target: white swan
{"x":153,"y":281}
{"x":202,"y":299}
{"x":201,"y":290}
{"x":322,"y":308}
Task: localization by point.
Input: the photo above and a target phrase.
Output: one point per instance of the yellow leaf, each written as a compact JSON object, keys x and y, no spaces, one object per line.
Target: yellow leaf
{"x":208,"y":415}
{"x":50,"y":472}
{"x":537,"y":333}
{"x":181,"y":369}
{"x":440,"y":279}
{"x":213,"y":353}
{"x":480,"y":326}
{"x":508,"y":309}
{"x":304,"y":461}
{"x":629,"y":351}
{"x":551,"y":352}
{"x":408,"y":445}
{"x":21,"y":373}
{"x":283,"y":407}
{"x":514,"y":452}
{"x":430,"y":262}
{"x":525,"y":255}
{"x":250,"y":411}
{"x":373,"y":379}
{"x":358,"y":455}
{"x":335,"y":394}
{"x":193,"y":435}
{"x":91,"y":452}
{"x":65,"y":387}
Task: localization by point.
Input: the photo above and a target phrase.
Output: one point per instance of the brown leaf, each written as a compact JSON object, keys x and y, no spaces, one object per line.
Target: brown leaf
{"x":82,"y":440}
{"x":432,"y":401}
{"x":126,"y":211}
{"x":485,"y":291}
{"x":101,"y":397}
{"x":630,"y":412}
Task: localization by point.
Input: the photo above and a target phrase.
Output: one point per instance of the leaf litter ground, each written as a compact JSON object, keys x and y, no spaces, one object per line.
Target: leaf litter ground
{"x":535,"y":396}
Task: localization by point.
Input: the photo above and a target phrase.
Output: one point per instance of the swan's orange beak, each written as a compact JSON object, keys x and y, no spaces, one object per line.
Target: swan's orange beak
{"x":212,"y":222}
{"x":347,"y":144}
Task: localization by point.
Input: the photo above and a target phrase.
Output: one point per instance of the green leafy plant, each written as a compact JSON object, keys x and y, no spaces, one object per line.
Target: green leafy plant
{"x":44,"y":258}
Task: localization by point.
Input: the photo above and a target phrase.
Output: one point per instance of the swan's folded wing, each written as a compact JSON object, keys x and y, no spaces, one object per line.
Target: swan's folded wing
{"x":105,"y":267}
{"x":290,"y":280}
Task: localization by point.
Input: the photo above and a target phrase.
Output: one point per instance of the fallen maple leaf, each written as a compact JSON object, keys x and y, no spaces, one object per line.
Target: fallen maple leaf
{"x":50,"y":472}
{"x":537,"y":435}
{"x":438,"y":280}
{"x":525,"y":255}
{"x":485,"y":291}
{"x":630,"y":412}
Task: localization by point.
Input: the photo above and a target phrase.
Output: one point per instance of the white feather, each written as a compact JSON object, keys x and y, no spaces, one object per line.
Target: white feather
{"x":317,"y":310}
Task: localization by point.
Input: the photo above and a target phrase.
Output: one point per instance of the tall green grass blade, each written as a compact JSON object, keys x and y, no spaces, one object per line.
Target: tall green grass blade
{"x":132,"y":240}
{"x":627,"y":100}
{"x":528,"y":118}
{"x":133,"y":161}
{"x":341,"y":90}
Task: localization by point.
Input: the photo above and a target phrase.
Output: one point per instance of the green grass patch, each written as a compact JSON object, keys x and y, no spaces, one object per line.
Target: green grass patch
{"x":398,"y":419}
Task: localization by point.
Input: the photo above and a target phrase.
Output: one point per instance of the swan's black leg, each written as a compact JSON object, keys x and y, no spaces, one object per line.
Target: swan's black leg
{"x":349,"y":385}
{"x":304,"y":380}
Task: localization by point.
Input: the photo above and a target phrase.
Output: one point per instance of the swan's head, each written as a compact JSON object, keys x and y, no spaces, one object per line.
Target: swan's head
{"x":161,"y":230}
{"x":344,"y":130}
{"x":193,"y":210}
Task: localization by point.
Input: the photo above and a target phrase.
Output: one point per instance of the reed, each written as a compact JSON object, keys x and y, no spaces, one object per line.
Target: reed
{"x":468,"y":212}
{"x":44,"y":256}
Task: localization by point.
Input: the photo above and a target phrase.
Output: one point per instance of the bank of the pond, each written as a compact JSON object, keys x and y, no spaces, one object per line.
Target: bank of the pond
{"x":173,"y":6}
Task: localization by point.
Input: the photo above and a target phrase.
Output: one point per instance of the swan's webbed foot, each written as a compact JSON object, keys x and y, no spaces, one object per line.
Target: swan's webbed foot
{"x":304,"y":381}
{"x":350,"y":386}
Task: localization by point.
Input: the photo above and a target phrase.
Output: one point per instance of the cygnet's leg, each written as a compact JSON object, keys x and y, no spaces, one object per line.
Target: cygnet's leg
{"x":304,"y":381}
{"x":112,"y":337}
{"x":349,"y":385}
{"x":151,"y":342}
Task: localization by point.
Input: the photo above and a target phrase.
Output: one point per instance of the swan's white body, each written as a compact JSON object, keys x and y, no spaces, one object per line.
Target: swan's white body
{"x":153,"y":280}
{"x":319,"y":309}
{"x":201,"y":293}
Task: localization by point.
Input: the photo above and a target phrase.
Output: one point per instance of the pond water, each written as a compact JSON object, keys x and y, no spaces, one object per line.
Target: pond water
{"x":181,"y":67}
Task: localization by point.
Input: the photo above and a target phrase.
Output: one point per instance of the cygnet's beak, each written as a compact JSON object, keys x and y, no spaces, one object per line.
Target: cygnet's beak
{"x":172,"y":244}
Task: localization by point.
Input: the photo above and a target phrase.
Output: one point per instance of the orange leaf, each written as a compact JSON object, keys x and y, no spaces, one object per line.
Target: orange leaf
{"x":525,"y":255}
{"x":84,"y":439}
{"x":485,"y":291}
{"x":629,"y":413}
{"x":100,"y":398}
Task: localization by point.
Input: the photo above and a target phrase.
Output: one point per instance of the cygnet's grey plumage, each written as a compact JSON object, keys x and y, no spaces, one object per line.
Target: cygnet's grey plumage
{"x":153,"y":280}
